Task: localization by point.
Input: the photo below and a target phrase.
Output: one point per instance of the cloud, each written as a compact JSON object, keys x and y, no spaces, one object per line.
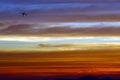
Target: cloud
{"x":60,"y":30}
{"x":57,"y":45}
{"x":2,"y":24}
{"x":16,"y":29}
{"x":76,"y":46}
{"x":91,"y":31}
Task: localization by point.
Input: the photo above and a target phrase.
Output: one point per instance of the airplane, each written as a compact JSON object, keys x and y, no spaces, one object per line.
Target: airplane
{"x":24,"y":13}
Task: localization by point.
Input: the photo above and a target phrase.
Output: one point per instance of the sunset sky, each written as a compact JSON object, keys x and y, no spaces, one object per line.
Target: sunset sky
{"x":60,"y":36}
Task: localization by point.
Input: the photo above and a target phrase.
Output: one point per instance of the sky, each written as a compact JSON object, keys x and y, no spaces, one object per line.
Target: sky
{"x":54,"y":18}
{"x":60,"y":25}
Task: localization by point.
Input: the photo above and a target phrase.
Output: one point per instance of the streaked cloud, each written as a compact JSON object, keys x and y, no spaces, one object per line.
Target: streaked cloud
{"x":61,"y":39}
{"x":78,"y":46}
{"x":58,"y":45}
{"x":62,"y":29}
{"x":2,"y":24}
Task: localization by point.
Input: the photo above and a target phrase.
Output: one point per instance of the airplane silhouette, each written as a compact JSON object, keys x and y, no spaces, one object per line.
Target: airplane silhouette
{"x":24,"y":13}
